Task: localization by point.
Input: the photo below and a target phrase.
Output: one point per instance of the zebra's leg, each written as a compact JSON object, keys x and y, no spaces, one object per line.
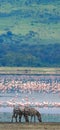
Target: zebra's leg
{"x":34,"y":118}
{"x":16,"y":117}
{"x":26,"y":118}
{"x":31,"y":118}
{"x":20,"y":116}
{"x":12,"y":118}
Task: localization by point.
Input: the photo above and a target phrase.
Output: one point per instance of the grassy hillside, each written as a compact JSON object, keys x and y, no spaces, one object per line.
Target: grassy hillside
{"x":19,"y":51}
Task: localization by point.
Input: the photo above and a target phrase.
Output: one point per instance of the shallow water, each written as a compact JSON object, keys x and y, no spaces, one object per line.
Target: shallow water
{"x":7,"y":117}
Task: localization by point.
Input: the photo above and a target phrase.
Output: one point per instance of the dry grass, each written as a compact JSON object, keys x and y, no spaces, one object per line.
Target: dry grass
{"x":28,"y":70}
{"x":26,"y":126}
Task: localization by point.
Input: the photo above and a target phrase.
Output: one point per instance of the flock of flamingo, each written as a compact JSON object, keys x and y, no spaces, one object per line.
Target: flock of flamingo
{"x":29,"y":83}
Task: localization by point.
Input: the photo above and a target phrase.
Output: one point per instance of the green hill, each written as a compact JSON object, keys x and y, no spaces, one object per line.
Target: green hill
{"x":19,"y":51}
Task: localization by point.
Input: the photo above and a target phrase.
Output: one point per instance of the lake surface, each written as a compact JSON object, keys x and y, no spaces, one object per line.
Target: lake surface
{"x":39,"y":91}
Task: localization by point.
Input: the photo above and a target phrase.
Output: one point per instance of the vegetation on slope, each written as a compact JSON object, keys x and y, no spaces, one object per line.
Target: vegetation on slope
{"x":22,"y":51}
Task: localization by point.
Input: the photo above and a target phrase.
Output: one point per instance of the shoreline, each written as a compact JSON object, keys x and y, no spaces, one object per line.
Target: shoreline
{"x":29,"y":70}
{"x":29,"y":126}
